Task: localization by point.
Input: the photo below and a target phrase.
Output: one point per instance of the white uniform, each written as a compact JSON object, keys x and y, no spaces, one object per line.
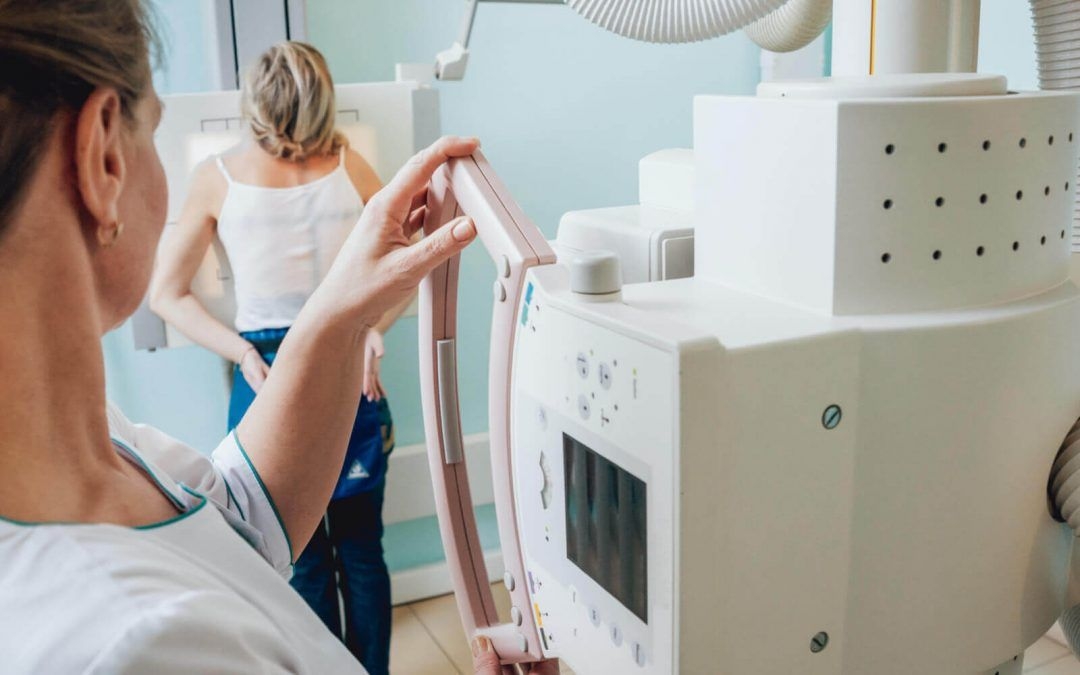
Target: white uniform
{"x":204,"y":592}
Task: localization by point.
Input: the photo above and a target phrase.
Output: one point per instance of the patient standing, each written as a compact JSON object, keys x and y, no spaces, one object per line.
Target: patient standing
{"x":282,"y":204}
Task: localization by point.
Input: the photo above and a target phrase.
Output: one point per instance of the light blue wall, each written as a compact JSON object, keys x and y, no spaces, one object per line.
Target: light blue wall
{"x":564,"y":110}
{"x":1006,"y":43}
{"x":178,"y":390}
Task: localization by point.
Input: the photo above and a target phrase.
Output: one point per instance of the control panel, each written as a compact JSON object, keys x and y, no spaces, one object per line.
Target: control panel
{"x":593,"y":435}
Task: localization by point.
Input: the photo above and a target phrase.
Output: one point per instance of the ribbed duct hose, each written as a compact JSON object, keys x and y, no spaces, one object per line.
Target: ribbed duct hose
{"x":673,"y":21}
{"x":1065,"y":499}
{"x":1057,"y":47}
{"x":791,"y":27}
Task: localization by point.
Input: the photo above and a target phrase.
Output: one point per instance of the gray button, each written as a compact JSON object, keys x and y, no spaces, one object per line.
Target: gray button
{"x":523,"y":643}
{"x":605,"y":376}
{"x":508,"y":579}
{"x":515,"y":616}
{"x":504,"y":266}
{"x":583,"y":407}
{"x":582,"y":365}
{"x":616,"y":635}
{"x":638,"y":653}
{"x":594,"y":616}
{"x":499,"y":291}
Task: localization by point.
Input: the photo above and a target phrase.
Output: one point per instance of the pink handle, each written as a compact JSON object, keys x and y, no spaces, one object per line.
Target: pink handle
{"x":468,"y":186}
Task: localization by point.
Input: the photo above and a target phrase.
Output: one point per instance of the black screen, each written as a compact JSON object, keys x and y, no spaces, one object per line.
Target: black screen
{"x":605,"y":524}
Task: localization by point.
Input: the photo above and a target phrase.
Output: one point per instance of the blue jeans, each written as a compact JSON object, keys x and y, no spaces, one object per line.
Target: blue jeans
{"x":346,"y":551}
{"x":348,"y":546}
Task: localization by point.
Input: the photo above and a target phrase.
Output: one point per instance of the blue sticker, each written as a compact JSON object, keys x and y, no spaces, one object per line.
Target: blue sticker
{"x":525,"y":306}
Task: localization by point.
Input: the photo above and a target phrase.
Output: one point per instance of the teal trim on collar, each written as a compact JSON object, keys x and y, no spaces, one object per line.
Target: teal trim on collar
{"x":146,"y":469}
{"x":184,"y":510}
{"x":232,"y":500}
{"x":178,"y":517}
{"x":269,"y":497}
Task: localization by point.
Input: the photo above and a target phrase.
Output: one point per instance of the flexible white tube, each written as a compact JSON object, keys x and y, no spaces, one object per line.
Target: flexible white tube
{"x":673,"y":21}
{"x":792,"y":26}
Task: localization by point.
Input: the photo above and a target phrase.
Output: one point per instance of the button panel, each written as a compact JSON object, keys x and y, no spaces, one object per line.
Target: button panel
{"x":584,"y":407}
{"x":616,"y":635}
{"x":605,"y":376}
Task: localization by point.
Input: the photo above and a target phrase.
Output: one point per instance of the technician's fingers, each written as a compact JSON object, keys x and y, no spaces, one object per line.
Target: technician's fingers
{"x":451,"y":238}
{"x":419,"y":199}
{"x":485,"y":660}
{"x":415,"y":223}
{"x":413,"y":178}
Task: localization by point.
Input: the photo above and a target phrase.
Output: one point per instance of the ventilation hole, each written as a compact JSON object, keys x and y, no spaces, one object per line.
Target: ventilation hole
{"x":886,"y":257}
{"x":979,"y":251}
{"x":1019,"y":195}
{"x":1023,"y":142}
{"x":1016,"y":246}
{"x":986,"y":145}
{"x":1063,"y":234}
{"x":1042,"y":241}
{"x":1070,"y":137}
{"x":1050,"y":141}
{"x":942,"y":147}
{"x":939,"y":202}
{"x":890,"y":149}
{"x":1046,"y":190}
{"x":887,"y":204}
{"x":983,"y":198}
{"x":936,"y":255}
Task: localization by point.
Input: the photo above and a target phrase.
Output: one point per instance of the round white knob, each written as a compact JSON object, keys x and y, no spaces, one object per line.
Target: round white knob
{"x":595,"y":273}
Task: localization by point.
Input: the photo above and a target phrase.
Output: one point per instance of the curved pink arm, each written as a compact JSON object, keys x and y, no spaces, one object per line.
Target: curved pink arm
{"x":468,"y":186}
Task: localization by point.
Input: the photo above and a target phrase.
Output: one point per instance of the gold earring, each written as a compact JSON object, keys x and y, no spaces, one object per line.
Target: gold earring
{"x":107,"y":237}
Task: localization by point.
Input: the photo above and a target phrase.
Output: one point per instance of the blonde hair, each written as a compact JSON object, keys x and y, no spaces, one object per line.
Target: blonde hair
{"x":288,"y":101}
{"x":55,"y":53}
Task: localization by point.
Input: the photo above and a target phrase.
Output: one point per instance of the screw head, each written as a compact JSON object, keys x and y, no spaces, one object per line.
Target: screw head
{"x":830,"y":419}
{"x":819,"y":642}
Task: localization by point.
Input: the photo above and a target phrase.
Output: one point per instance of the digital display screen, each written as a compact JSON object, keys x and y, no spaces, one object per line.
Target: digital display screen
{"x":605,"y":524}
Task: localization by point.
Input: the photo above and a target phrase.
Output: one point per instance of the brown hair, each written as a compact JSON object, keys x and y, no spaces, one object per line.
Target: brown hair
{"x":288,"y":101}
{"x":55,"y":53}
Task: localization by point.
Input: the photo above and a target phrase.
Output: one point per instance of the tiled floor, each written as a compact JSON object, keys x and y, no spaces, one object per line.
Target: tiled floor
{"x":428,"y":640}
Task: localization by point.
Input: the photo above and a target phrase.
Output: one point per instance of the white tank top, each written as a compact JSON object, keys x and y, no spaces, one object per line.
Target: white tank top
{"x":281,"y":242}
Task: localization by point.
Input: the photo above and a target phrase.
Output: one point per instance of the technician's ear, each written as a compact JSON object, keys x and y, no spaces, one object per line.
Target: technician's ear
{"x":99,"y":158}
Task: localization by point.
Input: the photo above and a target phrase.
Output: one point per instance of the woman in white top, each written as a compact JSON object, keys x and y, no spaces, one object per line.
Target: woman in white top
{"x":283,"y":204}
{"x":122,"y":550}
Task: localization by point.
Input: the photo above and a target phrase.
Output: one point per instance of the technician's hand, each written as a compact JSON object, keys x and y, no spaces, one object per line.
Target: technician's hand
{"x":378,"y":267}
{"x":486,"y":661}
{"x":254,"y":369}
{"x":373,"y":353}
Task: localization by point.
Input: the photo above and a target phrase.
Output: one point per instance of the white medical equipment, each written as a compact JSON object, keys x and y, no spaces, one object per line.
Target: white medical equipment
{"x":828,"y":452}
{"x":387,"y":122}
{"x":653,"y":240}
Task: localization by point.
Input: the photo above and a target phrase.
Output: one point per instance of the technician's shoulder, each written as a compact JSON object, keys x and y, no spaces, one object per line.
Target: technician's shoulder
{"x":198,"y":632}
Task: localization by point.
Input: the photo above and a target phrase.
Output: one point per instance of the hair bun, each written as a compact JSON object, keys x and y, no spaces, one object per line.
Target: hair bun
{"x":288,"y":101}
